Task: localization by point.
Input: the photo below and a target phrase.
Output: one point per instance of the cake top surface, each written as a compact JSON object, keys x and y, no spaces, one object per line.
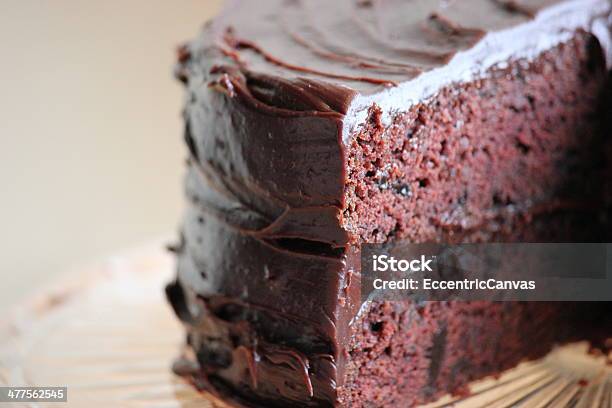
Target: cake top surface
{"x":361,"y":43}
{"x":319,"y":55}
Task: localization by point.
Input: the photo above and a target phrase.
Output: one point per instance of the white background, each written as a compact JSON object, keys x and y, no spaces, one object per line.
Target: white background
{"x":91,"y":153}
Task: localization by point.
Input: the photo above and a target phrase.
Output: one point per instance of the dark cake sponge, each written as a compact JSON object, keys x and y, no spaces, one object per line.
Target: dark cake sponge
{"x":311,"y":133}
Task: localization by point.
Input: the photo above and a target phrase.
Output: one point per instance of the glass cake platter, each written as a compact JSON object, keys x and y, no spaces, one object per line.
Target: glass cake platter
{"x":108,"y":334}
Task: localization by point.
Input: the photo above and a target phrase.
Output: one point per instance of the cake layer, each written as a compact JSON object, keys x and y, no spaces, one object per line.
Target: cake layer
{"x":403,"y":354}
{"x":466,"y":164}
{"x":272,"y":327}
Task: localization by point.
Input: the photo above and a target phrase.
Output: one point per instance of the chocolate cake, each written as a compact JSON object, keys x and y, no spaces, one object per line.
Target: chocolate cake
{"x":315,"y":127}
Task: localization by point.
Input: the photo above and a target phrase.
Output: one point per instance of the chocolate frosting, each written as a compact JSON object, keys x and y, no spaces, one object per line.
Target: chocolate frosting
{"x":268,"y":278}
{"x":286,"y":49}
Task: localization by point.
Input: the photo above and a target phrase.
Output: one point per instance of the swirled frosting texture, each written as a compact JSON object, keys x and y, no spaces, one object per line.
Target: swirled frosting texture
{"x":358,"y":44}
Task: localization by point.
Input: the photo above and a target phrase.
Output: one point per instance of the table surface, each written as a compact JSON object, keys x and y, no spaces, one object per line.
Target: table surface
{"x":108,"y":334}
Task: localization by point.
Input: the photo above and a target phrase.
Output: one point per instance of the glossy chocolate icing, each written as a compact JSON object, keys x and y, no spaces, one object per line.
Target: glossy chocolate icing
{"x":268,"y":278}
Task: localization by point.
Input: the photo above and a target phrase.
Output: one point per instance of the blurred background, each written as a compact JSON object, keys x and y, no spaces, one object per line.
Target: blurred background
{"x":91,"y":153}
